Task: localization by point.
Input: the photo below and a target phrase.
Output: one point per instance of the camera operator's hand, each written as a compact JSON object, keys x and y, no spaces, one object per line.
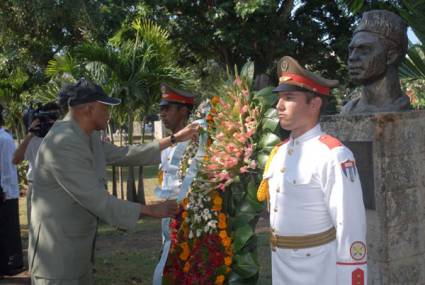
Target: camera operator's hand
{"x":161,"y":210}
{"x":34,"y":127}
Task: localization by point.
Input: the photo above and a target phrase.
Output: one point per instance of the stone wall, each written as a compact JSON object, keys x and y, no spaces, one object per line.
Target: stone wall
{"x":396,"y":227}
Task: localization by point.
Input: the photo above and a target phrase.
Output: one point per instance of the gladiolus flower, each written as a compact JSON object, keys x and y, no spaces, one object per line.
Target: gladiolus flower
{"x":243,"y":169}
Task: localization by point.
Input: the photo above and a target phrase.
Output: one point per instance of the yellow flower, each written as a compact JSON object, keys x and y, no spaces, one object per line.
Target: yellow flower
{"x":223,"y":235}
{"x":186,"y":267}
{"x":227,"y":241}
{"x":228,"y":260}
{"x":228,"y":250}
{"x":228,"y":269}
{"x":185,"y":202}
{"x":263,"y":191}
{"x":184,"y":255}
{"x":184,"y":215}
{"x":222,"y":221}
{"x":215,"y":100}
{"x":219,"y":280}
{"x":217,"y":202}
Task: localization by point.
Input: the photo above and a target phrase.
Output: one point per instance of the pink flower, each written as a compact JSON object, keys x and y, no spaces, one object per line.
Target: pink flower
{"x":220,"y":136}
{"x":248,"y":151}
{"x":238,"y":81}
{"x":243,"y":169}
{"x":223,"y":175}
{"x":244,"y":109}
{"x":230,"y":148}
{"x":245,"y":92}
{"x":253,"y":164}
{"x":230,"y":162}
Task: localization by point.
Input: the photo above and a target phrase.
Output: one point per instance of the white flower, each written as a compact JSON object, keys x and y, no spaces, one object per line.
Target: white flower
{"x":198,"y":232}
{"x":190,"y":234}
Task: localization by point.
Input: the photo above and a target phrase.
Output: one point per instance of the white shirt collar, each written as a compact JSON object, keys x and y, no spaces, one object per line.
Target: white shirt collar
{"x":313,"y":132}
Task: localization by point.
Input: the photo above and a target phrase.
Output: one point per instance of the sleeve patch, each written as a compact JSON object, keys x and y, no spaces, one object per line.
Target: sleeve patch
{"x":358,"y":250}
{"x":357,"y":277}
{"x":349,"y":169}
{"x":330,"y":141}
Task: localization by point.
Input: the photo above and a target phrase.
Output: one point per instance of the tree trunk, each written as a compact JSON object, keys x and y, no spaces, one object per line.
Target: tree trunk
{"x":120,"y":170}
{"x":141,"y":188}
{"x":114,"y":169}
{"x":140,"y":185}
{"x":131,"y":185}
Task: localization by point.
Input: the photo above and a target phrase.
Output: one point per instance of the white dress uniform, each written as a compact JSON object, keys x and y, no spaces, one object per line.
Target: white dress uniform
{"x":314,"y":187}
{"x":170,"y":161}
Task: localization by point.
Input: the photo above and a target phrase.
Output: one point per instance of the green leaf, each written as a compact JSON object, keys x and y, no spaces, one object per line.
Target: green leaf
{"x":236,"y":279}
{"x":242,"y":219}
{"x":271,"y":113}
{"x":270,"y":124}
{"x":266,"y":97}
{"x":241,"y":236}
{"x":269,"y":140}
{"x":262,"y":159}
{"x":251,"y":188}
{"x":245,"y":265}
{"x":247,"y":72}
{"x":250,"y":205}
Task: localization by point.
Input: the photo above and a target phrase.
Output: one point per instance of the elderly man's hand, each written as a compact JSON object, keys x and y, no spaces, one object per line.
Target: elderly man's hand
{"x":161,"y":210}
{"x":191,"y":131}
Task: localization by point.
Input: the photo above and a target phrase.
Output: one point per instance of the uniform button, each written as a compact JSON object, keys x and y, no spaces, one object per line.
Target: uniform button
{"x":295,"y":182}
{"x":283,"y":169}
{"x":308,"y":254}
{"x":275,"y":209}
{"x":290,"y":151}
{"x":278,"y":189}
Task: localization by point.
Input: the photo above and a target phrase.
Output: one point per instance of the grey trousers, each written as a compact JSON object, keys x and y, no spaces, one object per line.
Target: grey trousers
{"x":86,"y":279}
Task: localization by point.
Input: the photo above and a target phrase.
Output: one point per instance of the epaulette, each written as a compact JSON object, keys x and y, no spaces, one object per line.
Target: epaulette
{"x":330,"y":141}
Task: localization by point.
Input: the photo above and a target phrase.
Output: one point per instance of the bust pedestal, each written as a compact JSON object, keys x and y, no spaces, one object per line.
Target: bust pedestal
{"x":390,"y":154}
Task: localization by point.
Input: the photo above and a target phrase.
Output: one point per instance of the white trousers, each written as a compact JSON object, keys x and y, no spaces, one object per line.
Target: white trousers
{"x":307,"y":266}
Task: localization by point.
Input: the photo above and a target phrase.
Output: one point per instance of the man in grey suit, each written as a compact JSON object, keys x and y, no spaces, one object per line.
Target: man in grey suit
{"x":68,"y":195}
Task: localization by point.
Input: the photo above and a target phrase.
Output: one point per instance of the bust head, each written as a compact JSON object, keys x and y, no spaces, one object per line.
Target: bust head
{"x":379,"y":42}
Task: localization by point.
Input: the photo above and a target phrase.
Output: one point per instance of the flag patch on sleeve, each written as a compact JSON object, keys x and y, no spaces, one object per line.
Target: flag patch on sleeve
{"x":349,"y":169}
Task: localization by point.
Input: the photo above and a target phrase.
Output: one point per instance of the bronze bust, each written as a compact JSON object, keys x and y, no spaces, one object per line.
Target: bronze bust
{"x":378,"y":46}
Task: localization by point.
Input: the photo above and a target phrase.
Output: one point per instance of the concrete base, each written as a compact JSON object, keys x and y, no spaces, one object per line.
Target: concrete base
{"x":396,"y":227}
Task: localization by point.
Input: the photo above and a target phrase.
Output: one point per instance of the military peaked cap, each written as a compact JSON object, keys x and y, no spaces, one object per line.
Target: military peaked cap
{"x":293,"y":77}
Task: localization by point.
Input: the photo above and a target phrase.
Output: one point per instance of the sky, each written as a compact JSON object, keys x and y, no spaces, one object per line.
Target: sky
{"x":412,"y":36}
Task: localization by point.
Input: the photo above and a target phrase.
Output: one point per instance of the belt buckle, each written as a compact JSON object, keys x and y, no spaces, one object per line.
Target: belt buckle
{"x":273,"y":242}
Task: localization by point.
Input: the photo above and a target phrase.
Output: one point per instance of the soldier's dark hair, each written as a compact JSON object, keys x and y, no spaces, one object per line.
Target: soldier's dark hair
{"x":325,"y":99}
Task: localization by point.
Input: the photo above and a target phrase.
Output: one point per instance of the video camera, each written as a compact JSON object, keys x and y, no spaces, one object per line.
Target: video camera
{"x":46,"y":114}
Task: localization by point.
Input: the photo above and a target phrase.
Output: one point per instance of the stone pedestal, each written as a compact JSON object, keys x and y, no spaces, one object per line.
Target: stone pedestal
{"x":396,"y":218}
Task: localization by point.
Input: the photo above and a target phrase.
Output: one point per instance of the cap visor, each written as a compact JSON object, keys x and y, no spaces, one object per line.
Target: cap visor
{"x":288,"y":88}
{"x":110,"y":101}
{"x":163,"y":102}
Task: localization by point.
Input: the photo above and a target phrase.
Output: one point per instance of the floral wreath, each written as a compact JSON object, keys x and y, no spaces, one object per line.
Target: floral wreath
{"x":212,"y":236}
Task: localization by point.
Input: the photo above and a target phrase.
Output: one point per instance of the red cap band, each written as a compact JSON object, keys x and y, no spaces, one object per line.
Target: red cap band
{"x":288,"y":78}
{"x":174,"y":97}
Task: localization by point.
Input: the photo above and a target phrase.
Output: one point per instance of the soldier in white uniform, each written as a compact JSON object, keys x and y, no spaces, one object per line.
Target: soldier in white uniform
{"x":317,"y":216}
{"x":175,"y":108}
